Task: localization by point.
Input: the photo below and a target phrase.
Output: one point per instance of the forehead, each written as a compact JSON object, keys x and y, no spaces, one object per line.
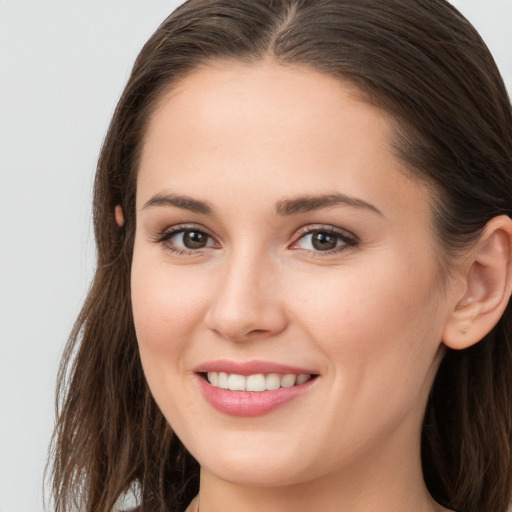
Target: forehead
{"x":281,"y":96}
{"x":286,"y":129}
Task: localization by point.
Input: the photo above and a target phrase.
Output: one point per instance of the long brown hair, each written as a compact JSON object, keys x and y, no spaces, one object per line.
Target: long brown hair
{"x":423,"y":63}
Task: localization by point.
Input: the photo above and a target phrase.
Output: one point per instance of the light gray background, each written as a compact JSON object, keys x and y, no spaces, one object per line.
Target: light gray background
{"x":62,"y":67}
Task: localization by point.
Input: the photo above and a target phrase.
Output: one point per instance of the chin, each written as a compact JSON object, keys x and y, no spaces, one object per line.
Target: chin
{"x":256,"y":467}
{"x":246,"y":473}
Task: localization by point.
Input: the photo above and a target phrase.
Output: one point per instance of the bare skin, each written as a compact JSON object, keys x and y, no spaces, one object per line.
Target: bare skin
{"x":231,"y":153}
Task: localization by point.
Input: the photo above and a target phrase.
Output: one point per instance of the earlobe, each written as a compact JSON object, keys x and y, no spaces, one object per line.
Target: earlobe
{"x":488,"y":285}
{"x":119,"y":216}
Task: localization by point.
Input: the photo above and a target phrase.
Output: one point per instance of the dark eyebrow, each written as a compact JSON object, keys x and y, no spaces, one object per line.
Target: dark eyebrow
{"x":283,"y":207}
{"x":308,"y":203}
{"x":187,"y":203}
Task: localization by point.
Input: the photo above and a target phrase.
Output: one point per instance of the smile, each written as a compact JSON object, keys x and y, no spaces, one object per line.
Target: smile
{"x":253,"y":388}
{"x":256,"y":383}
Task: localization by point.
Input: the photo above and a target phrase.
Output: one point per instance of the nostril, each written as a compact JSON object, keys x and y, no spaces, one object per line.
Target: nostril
{"x":255,"y":332}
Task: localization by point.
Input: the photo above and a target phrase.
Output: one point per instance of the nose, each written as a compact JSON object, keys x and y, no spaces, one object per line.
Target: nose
{"x":247,"y":303}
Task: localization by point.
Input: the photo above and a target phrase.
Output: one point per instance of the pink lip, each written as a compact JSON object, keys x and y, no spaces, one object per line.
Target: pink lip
{"x":249,"y":403}
{"x":251,"y":368}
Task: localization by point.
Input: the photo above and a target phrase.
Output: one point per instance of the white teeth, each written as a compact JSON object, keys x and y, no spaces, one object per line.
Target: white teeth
{"x":236,"y":382}
{"x":287,"y":381}
{"x":273,"y":381}
{"x":223,"y":380}
{"x":213,"y":377}
{"x":304,"y":377}
{"x":257,"y":382}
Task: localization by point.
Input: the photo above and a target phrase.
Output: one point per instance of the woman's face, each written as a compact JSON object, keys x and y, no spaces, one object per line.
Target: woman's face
{"x":277,"y":234}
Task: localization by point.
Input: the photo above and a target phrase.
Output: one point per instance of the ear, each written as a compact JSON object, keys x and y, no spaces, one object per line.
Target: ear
{"x":119,"y":216}
{"x":488,"y":285}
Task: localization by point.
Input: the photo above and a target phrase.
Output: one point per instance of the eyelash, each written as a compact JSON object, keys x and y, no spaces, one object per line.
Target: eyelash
{"x":164,"y":237}
{"x":347,"y":239}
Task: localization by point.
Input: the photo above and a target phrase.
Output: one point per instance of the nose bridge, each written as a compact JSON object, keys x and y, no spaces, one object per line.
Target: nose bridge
{"x":247,"y":302}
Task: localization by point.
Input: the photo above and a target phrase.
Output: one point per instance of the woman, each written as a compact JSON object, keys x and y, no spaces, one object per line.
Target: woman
{"x":302,"y":211}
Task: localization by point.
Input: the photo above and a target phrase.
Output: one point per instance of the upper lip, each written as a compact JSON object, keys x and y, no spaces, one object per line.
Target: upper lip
{"x":251,"y":368}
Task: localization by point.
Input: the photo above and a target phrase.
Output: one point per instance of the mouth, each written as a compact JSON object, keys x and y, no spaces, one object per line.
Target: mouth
{"x":252,"y":388}
{"x":255,"y":383}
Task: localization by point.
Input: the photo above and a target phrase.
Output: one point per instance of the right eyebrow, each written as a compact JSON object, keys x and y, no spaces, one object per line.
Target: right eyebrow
{"x":184,"y":202}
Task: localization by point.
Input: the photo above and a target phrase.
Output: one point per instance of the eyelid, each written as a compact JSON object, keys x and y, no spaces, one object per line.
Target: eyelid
{"x":163,"y":236}
{"x":349,"y":239}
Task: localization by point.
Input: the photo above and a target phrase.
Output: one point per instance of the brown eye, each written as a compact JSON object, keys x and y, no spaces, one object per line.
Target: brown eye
{"x":323,"y":241}
{"x":194,"y":239}
{"x":186,"y":240}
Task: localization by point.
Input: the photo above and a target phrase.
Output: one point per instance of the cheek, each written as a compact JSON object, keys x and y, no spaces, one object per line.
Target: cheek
{"x":167,"y":305}
{"x":381,"y":317}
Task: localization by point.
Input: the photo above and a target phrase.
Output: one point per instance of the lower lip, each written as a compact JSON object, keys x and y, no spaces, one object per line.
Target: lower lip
{"x":250,"y":403}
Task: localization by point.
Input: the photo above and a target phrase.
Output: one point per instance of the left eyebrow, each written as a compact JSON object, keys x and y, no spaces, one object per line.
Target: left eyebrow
{"x":309,"y":203}
{"x":184,"y":202}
